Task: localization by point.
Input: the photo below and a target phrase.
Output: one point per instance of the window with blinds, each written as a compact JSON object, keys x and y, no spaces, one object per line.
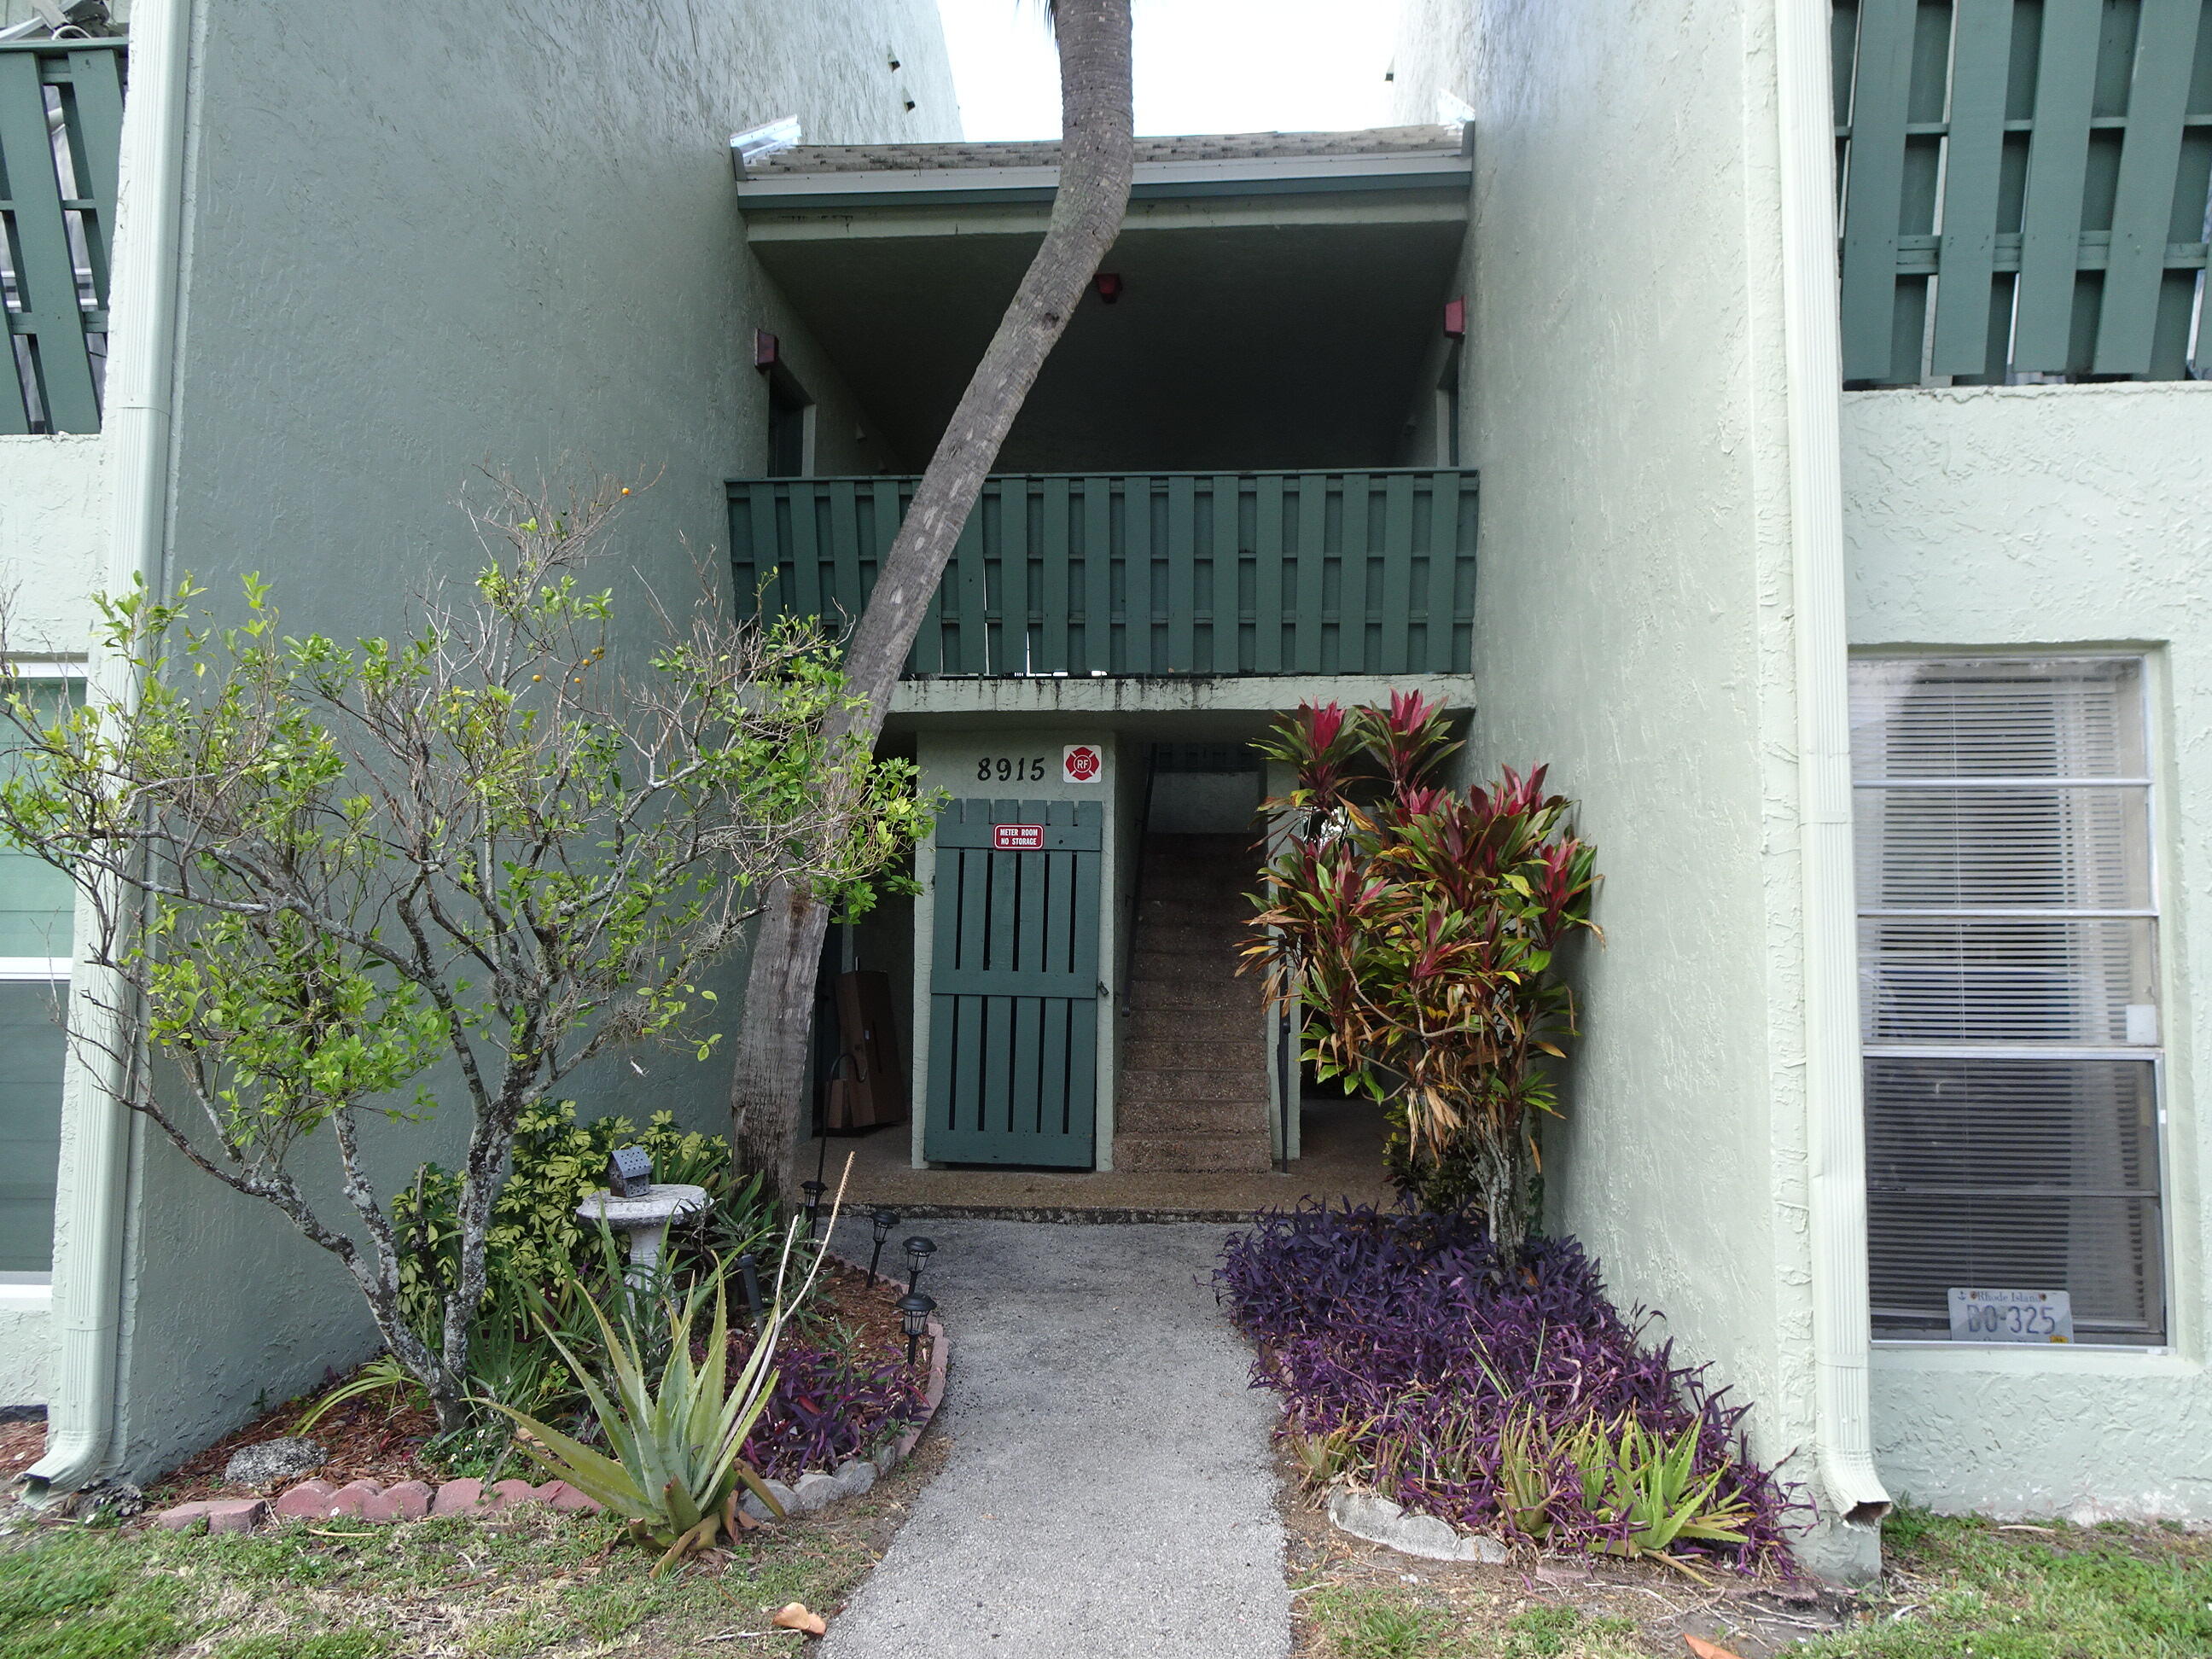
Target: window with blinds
{"x":2009,"y":989}
{"x":36,"y":938}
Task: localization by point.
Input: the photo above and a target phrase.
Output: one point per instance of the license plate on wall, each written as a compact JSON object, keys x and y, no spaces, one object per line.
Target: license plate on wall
{"x":2011,"y":1316}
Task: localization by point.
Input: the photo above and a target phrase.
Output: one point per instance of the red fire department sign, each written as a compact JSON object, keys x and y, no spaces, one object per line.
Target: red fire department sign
{"x":1081,"y":763}
{"x":1017,"y":837}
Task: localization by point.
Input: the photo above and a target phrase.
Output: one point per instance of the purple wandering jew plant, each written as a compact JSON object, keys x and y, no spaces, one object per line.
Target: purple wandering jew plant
{"x":1505,"y":1394}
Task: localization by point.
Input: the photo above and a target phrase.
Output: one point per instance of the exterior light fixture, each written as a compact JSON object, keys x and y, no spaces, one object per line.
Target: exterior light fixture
{"x":884,"y":1220}
{"x":813,"y":1189}
{"x":749,"y":1281}
{"x":917,"y":1252}
{"x":914,"y":1310}
{"x":1456,"y":318}
{"x":1109,"y":285}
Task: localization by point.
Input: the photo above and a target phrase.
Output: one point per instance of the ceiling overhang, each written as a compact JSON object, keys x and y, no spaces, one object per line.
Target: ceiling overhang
{"x":1275,"y":310}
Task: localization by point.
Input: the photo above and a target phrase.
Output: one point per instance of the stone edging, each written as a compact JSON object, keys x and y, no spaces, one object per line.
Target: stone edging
{"x":1076,"y":1216}
{"x":411,"y":1500}
{"x":1374,"y":1517}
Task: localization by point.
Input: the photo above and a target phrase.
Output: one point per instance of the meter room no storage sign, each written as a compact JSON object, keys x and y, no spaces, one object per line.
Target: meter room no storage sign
{"x":1082,"y":763}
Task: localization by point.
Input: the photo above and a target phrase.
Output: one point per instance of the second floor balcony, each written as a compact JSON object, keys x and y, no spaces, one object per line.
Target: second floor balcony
{"x":1143,"y":575}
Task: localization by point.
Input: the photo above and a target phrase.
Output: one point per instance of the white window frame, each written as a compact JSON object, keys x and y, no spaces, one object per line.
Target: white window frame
{"x":2147,"y":669}
{"x":53,"y":972}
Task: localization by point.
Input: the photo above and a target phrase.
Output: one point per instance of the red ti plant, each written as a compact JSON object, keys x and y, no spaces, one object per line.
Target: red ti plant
{"x":1416,"y":929}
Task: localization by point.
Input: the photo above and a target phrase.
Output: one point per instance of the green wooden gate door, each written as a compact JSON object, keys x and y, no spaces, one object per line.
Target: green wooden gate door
{"x":1013,"y":1024}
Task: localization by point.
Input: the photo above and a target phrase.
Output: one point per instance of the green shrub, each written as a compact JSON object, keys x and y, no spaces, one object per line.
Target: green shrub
{"x":536,"y":1240}
{"x":545,"y":1265}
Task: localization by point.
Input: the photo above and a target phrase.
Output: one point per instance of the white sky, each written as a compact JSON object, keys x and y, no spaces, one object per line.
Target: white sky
{"x":1202,"y":66}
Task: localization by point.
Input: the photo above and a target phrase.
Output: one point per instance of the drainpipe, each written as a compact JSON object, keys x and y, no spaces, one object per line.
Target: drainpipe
{"x":135,"y":423}
{"x":1834,"y":1123}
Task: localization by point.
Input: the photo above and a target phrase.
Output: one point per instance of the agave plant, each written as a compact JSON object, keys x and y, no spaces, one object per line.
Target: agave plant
{"x":674,"y":1459}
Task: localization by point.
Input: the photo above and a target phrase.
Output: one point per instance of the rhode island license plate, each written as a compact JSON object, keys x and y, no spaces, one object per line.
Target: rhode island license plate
{"x":2011,"y":1316}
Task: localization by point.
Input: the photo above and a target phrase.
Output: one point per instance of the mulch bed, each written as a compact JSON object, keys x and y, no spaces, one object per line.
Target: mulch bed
{"x":21,"y":1440}
{"x":377,"y":1437}
{"x":380,"y":1438}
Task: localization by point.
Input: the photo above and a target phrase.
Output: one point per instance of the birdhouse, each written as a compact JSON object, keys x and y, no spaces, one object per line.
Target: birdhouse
{"x":629,"y":1172}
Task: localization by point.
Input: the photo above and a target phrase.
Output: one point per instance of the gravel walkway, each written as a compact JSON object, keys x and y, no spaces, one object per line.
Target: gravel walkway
{"x":1109,"y":1490}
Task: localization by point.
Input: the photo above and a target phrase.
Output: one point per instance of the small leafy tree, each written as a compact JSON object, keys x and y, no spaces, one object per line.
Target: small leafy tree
{"x":1417,"y":928}
{"x":340,"y":884}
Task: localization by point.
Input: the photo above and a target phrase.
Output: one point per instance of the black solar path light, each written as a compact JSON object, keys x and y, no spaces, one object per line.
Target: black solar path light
{"x":884,"y":1220}
{"x":813,"y":1189}
{"x":914,"y":1310}
{"x":749,"y":1281}
{"x":917,"y":1252}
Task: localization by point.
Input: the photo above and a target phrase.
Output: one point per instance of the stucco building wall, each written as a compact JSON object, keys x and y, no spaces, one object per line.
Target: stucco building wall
{"x":419,"y":241}
{"x":2055,"y":517}
{"x":1622,"y":395}
{"x":53,"y":538}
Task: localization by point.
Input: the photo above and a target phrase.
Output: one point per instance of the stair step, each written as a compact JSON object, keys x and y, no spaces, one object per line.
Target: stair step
{"x":1192,"y":1153}
{"x":1188,"y":1028}
{"x":1151,"y":967}
{"x":1190,"y":935}
{"x":1246,"y":1084}
{"x":1214,"y":991}
{"x":1224,"y":928}
{"x":1203,"y":1117}
{"x":1238,"y":1050}
{"x":1227,"y":886}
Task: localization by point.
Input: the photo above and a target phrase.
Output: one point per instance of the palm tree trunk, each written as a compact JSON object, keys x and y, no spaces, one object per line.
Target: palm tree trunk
{"x":1098,"y":163}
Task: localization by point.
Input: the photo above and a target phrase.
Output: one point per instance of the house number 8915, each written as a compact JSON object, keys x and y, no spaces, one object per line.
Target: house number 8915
{"x":1010,"y":768}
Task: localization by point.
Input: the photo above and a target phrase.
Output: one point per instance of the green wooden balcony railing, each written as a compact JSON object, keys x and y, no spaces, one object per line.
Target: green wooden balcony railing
{"x":2041,"y":166}
{"x":1267,"y":572}
{"x":61,"y":121}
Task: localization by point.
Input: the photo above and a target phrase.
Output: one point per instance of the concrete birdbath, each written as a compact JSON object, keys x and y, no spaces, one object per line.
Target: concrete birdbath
{"x":646,"y":1218}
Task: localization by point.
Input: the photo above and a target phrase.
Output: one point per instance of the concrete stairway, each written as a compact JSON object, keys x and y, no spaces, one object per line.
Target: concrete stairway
{"x":1192,"y":1084}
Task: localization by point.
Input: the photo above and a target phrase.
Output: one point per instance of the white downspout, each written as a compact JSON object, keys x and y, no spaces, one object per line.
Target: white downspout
{"x":143,"y":296}
{"x":1835,"y":1126}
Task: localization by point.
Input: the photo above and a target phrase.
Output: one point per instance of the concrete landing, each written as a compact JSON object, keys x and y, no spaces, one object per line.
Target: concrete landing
{"x":1342,"y":1159}
{"x":1109,"y":1491}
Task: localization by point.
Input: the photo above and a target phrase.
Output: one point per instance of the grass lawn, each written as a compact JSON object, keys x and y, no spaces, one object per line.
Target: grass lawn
{"x":1367,"y":1623}
{"x":526,"y":1581}
{"x":1953,"y":1590}
{"x":1956,"y":1588}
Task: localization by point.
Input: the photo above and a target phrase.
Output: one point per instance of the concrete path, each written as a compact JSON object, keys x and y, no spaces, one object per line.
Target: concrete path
{"x":1109,"y":1490}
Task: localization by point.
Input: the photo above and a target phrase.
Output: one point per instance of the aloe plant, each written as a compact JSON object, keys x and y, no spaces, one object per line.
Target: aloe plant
{"x":674,"y":1459}
{"x":1525,"y":1483}
{"x":1640,"y":1480}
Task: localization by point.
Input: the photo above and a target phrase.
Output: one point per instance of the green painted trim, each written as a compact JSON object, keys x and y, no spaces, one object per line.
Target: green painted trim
{"x":1373,"y":574}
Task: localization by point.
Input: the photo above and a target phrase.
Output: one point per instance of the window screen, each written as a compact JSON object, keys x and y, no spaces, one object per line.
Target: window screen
{"x":35,"y":941}
{"x":2009,"y":989}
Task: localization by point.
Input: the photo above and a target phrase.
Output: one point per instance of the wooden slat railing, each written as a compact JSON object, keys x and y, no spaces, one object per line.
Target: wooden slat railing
{"x":2038,"y":170}
{"x":1269,"y":573}
{"x":61,"y":120}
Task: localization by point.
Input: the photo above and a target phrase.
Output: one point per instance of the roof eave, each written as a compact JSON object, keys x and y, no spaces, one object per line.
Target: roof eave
{"x":1155,"y":180}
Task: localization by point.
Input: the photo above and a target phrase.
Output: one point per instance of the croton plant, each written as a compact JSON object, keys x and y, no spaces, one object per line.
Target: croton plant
{"x":1415,"y":926}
